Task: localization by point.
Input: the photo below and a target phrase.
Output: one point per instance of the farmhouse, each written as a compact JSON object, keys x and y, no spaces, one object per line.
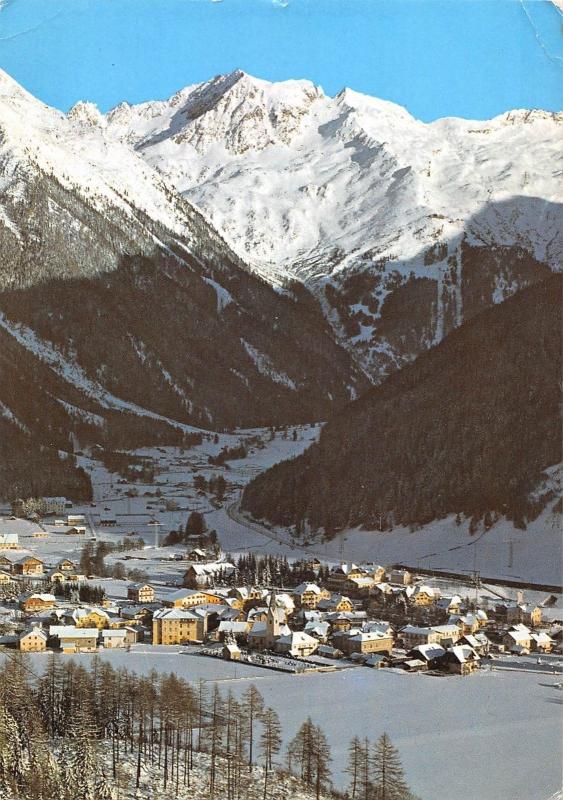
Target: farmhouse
{"x":199,"y":576}
{"x":541,"y":642}
{"x":90,"y":618}
{"x":518,"y":639}
{"x":460,"y":660}
{"x":141,"y":593}
{"x":9,"y":541}
{"x":32,"y":640}
{"x":5,"y":578}
{"x":29,"y":565}
{"x":430,"y":654}
{"x":308,"y":595}
{"x":38,"y":602}
{"x":66,"y":565}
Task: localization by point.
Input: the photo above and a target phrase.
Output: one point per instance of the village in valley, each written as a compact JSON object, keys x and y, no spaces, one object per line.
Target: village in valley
{"x":160,"y":573}
{"x":149,"y":563}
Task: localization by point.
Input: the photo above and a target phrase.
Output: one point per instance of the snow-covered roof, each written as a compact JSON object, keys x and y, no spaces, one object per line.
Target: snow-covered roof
{"x":114,"y":633}
{"x":430,"y":651}
{"x":307,"y":587}
{"x":231,"y":626}
{"x":541,"y":638}
{"x":448,"y":629}
{"x":44,"y":597}
{"x":295,"y":638}
{"x":72,"y":632}
{"x":463,"y":653}
{"x":212,"y":568}
{"x":176,"y":613}
{"x":33,"y":632}
{"x":415,"y":630}
{"x":368,"y":636}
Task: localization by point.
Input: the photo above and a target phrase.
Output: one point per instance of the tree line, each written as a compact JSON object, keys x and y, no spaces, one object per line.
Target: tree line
{"x":77,"y":733}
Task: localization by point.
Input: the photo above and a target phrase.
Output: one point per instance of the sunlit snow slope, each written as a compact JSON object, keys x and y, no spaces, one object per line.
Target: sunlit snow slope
{"x":358,"y":199}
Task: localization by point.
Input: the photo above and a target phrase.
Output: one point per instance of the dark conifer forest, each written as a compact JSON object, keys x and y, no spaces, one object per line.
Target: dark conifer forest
{"x":469,"y":427}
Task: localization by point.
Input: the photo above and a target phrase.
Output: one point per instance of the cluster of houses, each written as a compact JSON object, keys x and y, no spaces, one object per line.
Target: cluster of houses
{"x":363,"y":613}
{"x":15,"y":570}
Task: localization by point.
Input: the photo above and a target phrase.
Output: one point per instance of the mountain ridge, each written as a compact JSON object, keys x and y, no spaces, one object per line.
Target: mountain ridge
{"x":320,"y":189}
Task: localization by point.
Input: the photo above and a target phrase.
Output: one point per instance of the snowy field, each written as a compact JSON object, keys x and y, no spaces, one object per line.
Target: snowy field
{"x":492,"y":736}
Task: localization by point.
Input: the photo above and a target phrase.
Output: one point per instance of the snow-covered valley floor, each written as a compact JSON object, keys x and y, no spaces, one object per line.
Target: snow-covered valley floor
{"x":492,"y":736}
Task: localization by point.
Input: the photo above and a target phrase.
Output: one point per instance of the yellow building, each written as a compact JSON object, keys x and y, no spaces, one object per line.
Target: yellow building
{"x":177,"y":626}
{"x":91,"y":618}
{"x":309,"y":595}
{"x":336,"y":602}
{"x":33,"y":640}
{"x":188,"y":598}
{"x":367,"y":642}
{"x":424,"y":596}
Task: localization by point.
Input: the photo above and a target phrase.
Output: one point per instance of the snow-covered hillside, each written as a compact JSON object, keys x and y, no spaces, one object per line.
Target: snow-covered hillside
{"x":291,"y":175}
{"x":354,"y":196}
{"x":109,"y":278}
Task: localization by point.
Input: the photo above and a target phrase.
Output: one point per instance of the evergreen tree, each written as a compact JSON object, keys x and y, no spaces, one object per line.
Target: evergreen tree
{"x":270,"y":742}
{"x":388,"y":777}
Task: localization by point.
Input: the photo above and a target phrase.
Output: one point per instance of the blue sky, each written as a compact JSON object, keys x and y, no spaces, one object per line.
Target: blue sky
{"x":470,"y":58}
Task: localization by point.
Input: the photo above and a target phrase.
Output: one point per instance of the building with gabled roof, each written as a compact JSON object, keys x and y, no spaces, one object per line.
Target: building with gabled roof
{"x":28,"y":565}
{"x":460,"y":660}
{"x":199,"y":576}
{"x":37,"y":602}
{"x":141,"y":593}
{"x":9,"y":541}
{"x":297,"y":644}
{"x":32,"y":640}
{"x":71,"y":639}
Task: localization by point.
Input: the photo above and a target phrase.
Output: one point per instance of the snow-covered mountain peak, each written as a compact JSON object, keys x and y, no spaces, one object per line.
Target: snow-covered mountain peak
{"x":86,"y":114}
{"x":235,"y":111}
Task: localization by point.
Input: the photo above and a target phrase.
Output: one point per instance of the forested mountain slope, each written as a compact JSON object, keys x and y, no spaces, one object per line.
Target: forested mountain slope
{"x":113,"y":275}
{"x":468,"y":427}
{"x":125,"y":318}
